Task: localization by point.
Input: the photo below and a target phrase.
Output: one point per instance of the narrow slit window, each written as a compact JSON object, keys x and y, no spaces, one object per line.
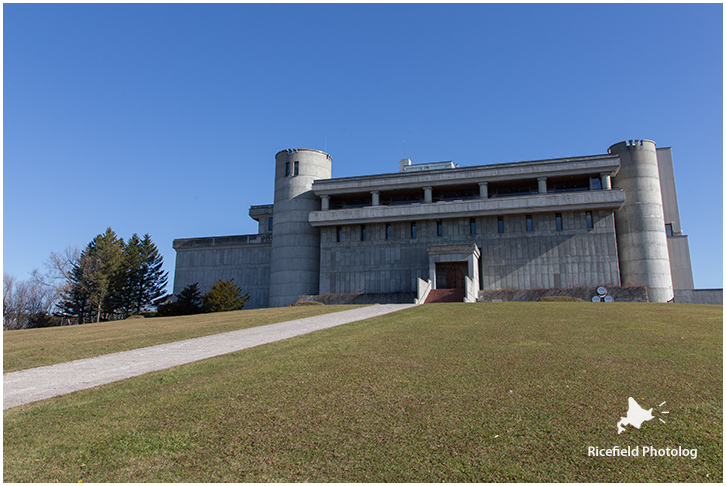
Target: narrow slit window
{"x":439,"y":228}
{"x":669,"y":229}
{"x":472,"y":226}
{"x":297,"y":168}
{"x":588,"y":220}
{"x":413,"y":230}
{"x":363,"y":232}
{"x":500,"y":224}
{"x":338,"y":234}
{"x":269,"y":224}
{"x":287,"y":169}
{"x":388,"y":231}
{"x":530,"y":224}
{"x":558,"y":221}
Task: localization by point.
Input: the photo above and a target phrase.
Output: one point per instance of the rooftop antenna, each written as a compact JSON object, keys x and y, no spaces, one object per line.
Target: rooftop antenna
{"x":325,"y":144}
{"x":404,"y":149}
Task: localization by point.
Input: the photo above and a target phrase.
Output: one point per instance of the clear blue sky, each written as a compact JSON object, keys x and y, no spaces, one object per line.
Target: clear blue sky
{"x":165,"y":119}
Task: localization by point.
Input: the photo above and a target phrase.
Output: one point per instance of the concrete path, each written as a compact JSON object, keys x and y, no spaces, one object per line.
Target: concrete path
{"x":35,"y":384}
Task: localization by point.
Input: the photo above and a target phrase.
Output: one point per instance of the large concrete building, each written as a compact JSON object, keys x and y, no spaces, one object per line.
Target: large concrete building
{"x":581,"y":222}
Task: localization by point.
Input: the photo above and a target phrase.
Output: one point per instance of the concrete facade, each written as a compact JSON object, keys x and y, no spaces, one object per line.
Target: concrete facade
{"x":580,"y":222}
{"x":245,"y":258}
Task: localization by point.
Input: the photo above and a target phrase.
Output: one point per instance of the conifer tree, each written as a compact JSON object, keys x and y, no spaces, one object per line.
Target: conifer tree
{"x":128,"y":281}
{"x":114,"y":278}
{"x":189,"y":301}
{"x":75,"y":300}
{"x":104,"y":261}
{"x":152,"y":278}
{"x":224,"y":296}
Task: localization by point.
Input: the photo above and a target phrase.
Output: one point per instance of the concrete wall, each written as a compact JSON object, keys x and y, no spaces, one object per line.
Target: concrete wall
{"x":245,"y":258}
{"x":680,"y":259}
{"x":545,"y":257}
{"x":667,"y":178}
{"x":678,"y":252}
{"x":699,"y":296}
{"x":376,"y":265}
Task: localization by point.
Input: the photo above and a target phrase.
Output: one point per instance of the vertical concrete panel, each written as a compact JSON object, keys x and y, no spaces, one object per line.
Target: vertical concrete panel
{"x":641,"y":238}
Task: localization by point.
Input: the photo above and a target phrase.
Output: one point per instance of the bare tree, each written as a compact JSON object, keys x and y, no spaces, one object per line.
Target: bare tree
{"x":26,"y":303}
{"x":58,"y":267}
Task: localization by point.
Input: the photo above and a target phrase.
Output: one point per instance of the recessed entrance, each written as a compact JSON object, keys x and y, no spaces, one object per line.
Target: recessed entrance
{"x":454,"y":268}
{"x":450,"y":275}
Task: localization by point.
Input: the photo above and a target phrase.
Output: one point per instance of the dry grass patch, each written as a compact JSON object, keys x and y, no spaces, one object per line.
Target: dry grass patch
{"x":30,"y":348}
{"x":451,"y":392}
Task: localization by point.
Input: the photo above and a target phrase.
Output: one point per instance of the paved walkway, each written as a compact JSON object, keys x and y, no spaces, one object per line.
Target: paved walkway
{"x":35,"y":384}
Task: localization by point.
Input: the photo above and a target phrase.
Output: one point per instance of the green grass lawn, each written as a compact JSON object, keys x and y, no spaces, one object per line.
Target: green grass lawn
{"x":29,"y":348}
{"x":442,"y":392}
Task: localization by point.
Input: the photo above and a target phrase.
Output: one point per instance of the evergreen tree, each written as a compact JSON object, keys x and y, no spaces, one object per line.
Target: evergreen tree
{"x":128,"y":280}
{"x":189,"y":301}
{"x":104,"y":254}
{"x":76,"y":297}
{"x":114,"y":278}
{"x":141,"y":279}
{"x":92,"y":279}
{"x":152,"y":278}
{"x":224,"y":296}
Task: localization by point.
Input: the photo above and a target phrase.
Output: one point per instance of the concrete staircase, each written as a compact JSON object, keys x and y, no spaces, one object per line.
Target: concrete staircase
{"x":437,"y":296}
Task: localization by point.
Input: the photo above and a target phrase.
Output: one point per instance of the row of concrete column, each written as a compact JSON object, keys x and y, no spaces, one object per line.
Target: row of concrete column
{"x":483,"y":191}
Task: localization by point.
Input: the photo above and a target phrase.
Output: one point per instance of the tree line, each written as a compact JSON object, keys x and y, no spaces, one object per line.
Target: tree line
{"x":109,"y":279}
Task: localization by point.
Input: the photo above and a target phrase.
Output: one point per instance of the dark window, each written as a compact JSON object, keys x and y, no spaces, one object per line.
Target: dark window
{"x":388,"y":231}
{"x":413,"y":229}
{"x":472,"y":226}
{"x":297,"y":168}
{"x":595,"y":184}
{"x":669,"y":229}
{"x":269,"y":224}
{"x":363,"y":232}
{"x":439,"y":228}
{"x":287,"y":169}
{"x":500,"y":224}
{"x":530,"y":225}
{"x":338,"y":234}
{"x":588,"y":220}
{"x":558,"y":221}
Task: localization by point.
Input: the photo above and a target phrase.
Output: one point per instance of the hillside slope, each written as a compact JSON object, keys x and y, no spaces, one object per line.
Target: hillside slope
{"x":444,"y":392}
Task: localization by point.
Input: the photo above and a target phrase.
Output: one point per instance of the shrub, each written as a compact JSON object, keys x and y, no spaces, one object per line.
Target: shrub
{"x":224,"y":296}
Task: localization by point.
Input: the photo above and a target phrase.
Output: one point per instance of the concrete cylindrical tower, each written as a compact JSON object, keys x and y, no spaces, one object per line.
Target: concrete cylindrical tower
{"x":639,"y":223}
{"x":295,"y":266}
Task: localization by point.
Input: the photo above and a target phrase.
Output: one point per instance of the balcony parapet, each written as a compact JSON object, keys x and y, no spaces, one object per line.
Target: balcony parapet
{"x":538,"y":203}
{"x":222,"y":241}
